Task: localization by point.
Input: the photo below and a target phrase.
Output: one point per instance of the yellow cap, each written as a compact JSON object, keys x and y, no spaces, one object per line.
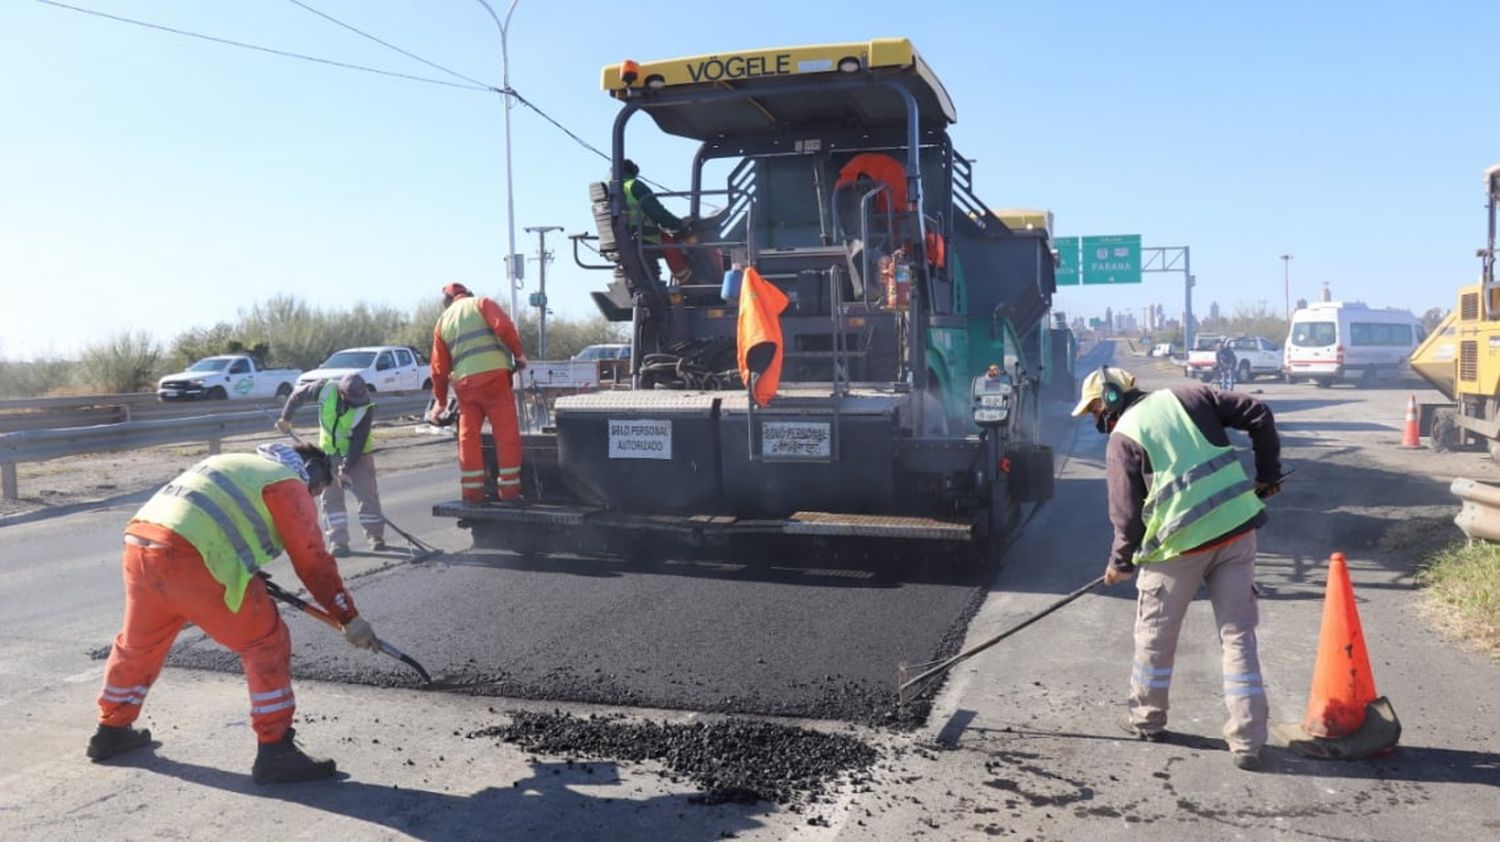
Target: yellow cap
{"x":1093,"y":386}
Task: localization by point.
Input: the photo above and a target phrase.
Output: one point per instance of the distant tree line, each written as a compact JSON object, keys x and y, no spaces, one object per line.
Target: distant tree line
{"x":283,"y":331}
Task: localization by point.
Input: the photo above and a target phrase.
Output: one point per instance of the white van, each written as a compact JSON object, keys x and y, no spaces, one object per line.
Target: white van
{"x":1351,"y":341}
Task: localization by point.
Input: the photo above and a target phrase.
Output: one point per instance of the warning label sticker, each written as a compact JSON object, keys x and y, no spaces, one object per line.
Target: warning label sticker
{"x":640,"y":439}
{"x":796,"y":439}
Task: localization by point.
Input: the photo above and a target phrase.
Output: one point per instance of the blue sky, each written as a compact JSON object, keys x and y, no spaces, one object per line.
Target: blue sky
{"x":153,"y":182}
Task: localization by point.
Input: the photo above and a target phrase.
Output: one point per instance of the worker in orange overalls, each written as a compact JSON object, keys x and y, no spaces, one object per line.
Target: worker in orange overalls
{"x":191,"y":556}
{"x":476,"y":346}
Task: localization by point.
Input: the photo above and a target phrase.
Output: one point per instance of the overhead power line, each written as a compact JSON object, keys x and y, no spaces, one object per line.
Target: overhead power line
{"x":270,"y":50}
{"x":360,"y":32}
{"x":468,"y":83}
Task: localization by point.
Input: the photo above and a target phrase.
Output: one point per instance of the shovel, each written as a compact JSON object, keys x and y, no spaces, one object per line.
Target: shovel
{"x":322,"y":616}
{"x":420,"y":550}
{"x":943,"y":666}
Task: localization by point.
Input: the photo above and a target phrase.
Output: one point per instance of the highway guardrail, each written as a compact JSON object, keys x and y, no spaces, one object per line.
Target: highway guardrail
{"x":40,"y":445}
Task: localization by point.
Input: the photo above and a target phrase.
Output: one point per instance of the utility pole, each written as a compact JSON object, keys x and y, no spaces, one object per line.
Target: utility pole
{"x":512,"y":273}
{"x":1286,"y":281}
{"x":539,"y":298}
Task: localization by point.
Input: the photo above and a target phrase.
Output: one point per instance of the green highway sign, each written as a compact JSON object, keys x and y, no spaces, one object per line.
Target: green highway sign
{"x":1112,"y":260}
{"x":1069,"y":270}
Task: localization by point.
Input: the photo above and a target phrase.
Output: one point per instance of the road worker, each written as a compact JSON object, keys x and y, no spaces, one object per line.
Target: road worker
{"x":191,"y":556}
{"x":475,"y":345}
{"x":345,"y":414}
{"x":1185,"y":514}
{"x":657,"y":226}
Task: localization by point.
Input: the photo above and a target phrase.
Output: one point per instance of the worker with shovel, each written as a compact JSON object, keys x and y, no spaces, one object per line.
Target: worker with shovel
{"x":345,"y":415}
{"x":191,"y":556}
{"x":1192,"y":521}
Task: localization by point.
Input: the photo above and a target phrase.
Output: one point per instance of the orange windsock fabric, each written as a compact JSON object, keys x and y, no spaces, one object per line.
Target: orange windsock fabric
{"x":759,"y":334}
{"x":1342,"y":683}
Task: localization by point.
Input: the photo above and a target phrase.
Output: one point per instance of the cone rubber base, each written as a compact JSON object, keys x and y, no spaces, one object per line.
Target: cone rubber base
{"x":1378,"y":735}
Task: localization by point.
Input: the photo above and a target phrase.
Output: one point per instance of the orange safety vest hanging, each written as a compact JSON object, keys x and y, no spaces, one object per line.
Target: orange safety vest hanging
{"x":758,"y":336}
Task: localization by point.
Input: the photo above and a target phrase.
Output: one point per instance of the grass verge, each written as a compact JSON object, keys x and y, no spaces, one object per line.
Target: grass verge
{"x":1463,"y":591}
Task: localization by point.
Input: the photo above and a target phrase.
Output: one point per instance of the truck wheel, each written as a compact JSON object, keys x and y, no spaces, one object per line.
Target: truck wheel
{"x":1446,"y":434}
{"x":1242,"y":374}
{"x":284,"y":391}
{"x":1369,"y":379}
{"x":217,"y":393}
{"x":427,"y":385}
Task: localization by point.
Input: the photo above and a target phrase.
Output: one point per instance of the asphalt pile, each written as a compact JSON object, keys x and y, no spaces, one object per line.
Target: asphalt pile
{"x":734,"y":760}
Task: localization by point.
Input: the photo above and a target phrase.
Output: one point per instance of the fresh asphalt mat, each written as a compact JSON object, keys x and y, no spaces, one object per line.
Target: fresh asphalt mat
{"x":820,"y":642}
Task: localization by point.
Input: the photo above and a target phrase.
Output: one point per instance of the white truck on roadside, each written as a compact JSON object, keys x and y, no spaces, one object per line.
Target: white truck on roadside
{"x":385,"y":368}
{"x":227,"y":377}
{"x":1255,"y":356}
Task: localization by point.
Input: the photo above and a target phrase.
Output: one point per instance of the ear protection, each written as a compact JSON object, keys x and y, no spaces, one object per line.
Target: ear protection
{"x":1112,"y":396}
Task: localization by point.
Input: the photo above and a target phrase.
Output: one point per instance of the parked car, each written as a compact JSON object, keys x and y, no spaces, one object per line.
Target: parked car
{"x":1332,"y":341}
{"x":226,"y":377}
{"x":604,"y":352}
{"x":385,"y":368}
{"x":1255,"y":356}
{"x":1203,"y":357}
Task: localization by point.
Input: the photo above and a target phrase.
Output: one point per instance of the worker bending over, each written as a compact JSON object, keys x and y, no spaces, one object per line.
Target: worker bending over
{"x":191,"y":556}
{"x":476,"y":346}
{"x":345,"y":414}
{"x":1185,"y":513}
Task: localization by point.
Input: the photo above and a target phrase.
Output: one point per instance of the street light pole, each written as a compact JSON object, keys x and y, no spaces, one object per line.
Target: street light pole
{"x":1286,"y":281}
{"x":510,"y":197}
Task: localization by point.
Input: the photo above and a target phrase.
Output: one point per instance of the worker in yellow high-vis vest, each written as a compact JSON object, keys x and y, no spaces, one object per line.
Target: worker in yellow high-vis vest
{"x":1185,"y":514}
{"x":191,"y":556}
{"x":476,"y":346}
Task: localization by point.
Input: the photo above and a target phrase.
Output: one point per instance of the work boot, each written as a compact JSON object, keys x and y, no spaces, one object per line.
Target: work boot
{"x":339,"y":551}
{"x":378,"y":545}
{"x":285,"y":762}
{"x":111,"y":740}
{"x":1247,"y":761}
{"x":1142,"y":734}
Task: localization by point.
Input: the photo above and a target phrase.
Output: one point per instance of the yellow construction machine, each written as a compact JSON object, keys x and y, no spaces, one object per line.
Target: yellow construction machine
{"x":1461,"y":358}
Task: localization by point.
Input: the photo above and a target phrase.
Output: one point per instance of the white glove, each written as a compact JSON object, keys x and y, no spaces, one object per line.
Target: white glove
{"x":360,"y":635}
{"x":283,"y":426}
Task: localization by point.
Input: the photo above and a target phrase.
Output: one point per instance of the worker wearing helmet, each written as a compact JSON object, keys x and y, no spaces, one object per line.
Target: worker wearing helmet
{"x":475,"y":345}
{"x":1184,"y":514}
{"x":191,"y":556}
{"x":345,"y":415}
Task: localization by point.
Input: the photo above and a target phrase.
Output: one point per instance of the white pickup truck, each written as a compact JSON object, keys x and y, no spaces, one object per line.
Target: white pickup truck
{"x":227,"y":377}
{"x":1254,"y":356}
{"x":385,"y":368}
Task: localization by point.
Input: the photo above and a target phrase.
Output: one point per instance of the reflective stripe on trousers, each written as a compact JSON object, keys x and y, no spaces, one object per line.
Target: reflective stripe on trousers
{"x":165,"y":588}
{"x":272,"y":701}
{"x":366,"y":491}
{"x":1166,"y":589}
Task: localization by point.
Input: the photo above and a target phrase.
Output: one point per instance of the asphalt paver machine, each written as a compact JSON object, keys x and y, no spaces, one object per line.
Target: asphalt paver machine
{"x":912,"y":344}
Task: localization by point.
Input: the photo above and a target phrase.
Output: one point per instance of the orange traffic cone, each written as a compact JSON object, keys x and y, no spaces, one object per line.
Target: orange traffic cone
{"x":1410,"y":438}
{"x":1344,"y":717}
{"x":1342,"y":684}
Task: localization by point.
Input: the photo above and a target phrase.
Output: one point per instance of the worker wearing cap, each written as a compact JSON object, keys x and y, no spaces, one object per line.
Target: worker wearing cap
{"x":657,"y":226}
{"x":1185,"y":514}
{"x":191,"y":556}
{"x":475,"y":345}
{"x":345,"y":414}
